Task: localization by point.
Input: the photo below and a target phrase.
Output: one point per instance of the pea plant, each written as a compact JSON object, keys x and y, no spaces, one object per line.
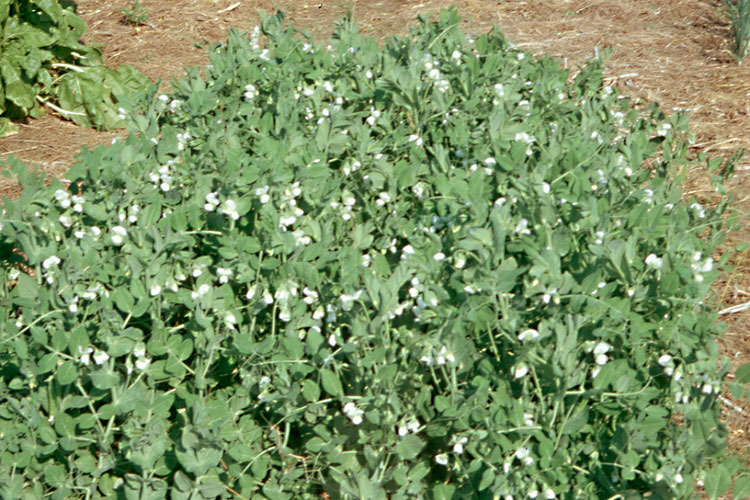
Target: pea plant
{"x":738,"y":12}
{"x":434,"y":269}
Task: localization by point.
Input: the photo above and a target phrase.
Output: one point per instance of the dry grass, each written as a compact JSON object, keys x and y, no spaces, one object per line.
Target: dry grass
{"x":674,"y":52}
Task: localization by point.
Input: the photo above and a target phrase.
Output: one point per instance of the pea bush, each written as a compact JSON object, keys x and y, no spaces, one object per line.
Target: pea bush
{"x":436,"y":269}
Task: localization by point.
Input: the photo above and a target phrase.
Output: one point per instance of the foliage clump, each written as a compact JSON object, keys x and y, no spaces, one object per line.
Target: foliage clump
{"x":43,"y":62}
{"x":437,"y":269}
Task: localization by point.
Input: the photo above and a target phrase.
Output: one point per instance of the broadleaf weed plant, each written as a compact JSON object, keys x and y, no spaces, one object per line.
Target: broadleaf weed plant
{"x":739,"y":15}
{"x":432,"y":269}
{"x":135,"y":13}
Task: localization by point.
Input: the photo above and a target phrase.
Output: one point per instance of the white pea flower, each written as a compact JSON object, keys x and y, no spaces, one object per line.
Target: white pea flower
{"x":678,"y":478}
{"x":66,"y":221}
{"x":533,"y":493}
{"x":443,"y":356}
{"x":601,"y":359}
{"x":155,"y":290}
{"x":520,"y":370}
{"x":427,"y":360}
{"x":78,"y":203}
{"x":439,"y":256}
{"x":442,"y":459}
{"x":528,"y":419}
{"x":142,"y":363}
{"x":100,"y":357}
{"x":701,"y":212}
{"x":85,"y":354}
{"x":223,"y":274}
{"x":523,"y":227}
{"x":63,"y":197}
{"x":202,"y":290}
{"x":353,"y":413}
{"x":119,"y":235}
{"x":287,"y":220}
{"x":459,"y":261}
{"x":311,"y":296}
{"x":348,"y":299}
{"x":413,"y":425}
{"x":374,"y":115}
{"x":383,"y":198}
{"x":664,"y":360}
{"x":418,"y":189}
{"x":250,"y":92}
{"x":332,"y":340}
{"x":653,"y":261}
{"x":525,"y":137}
{"x":601,"y":348}
{"x":704,"y":267}
{"x":549,"y":494}
{"x":529,"y":334}
{"x":663,"y":129}
{"x":415,"y":138}
{"x":230,"y":208}
{"x":197,"y":270}
{"x":408,"y":250}
{"x":51,"y":261}
{"x":458,"y":447}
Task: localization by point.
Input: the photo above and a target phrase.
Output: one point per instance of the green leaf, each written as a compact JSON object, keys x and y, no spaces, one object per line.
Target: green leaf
{"x":16,"y":90}
{"x":742,"y":375}
{"x":26,"y":287}
{"x":123,"y":300}
{"x":717,"y":481}
{"x":67,"y":373}
{"x":311,"y":391}
{"x":47,"y":363}
{"x":314,"y":445}
{"x":577,"y":421}
{"x":331,"y":382}
{"x":488,"y":477}
{"x":140,"y":488}
{"x":198,"y":461}
{"x":444,"y":491}
{"x":409,"y":446}
{"x":105,"y":378}
{"x":742,"y":487}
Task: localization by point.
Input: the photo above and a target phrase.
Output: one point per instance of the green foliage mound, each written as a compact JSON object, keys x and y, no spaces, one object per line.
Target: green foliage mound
{"x":42,"y":62}
{"x":436,"y":269}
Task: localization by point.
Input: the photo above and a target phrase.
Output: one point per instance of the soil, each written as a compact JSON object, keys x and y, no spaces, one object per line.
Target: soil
{"x":674,"y":52}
